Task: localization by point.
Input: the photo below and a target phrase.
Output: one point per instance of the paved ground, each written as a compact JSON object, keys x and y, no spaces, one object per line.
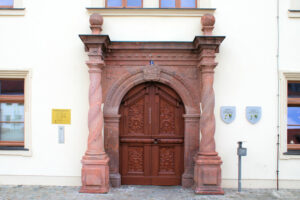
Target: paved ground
{"x":137,"y":193}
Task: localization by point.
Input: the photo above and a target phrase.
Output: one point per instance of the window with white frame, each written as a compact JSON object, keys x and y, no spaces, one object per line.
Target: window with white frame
{"x":293,"y":115}
{"x":290,"y":113}
{"x":124,"y":3}
{"x":178,"y":3}
{"x":162,"y":3}
{"x":15,"y":129}
{"x":12,"y":112}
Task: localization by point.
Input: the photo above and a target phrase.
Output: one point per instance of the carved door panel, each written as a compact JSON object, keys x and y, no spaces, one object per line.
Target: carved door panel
{"x":151,"y":136}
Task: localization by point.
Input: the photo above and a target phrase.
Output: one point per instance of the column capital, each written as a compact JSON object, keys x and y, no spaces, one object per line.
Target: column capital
{"x":208,"y":42}
{"x":95,"y":66}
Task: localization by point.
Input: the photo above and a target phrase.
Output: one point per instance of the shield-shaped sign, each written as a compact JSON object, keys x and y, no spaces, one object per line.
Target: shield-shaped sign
{"x":228,"y":114}
{"x":253,"y":114}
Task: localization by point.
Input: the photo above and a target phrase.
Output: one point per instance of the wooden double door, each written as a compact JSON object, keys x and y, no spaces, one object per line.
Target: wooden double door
{"x":151,"y":136}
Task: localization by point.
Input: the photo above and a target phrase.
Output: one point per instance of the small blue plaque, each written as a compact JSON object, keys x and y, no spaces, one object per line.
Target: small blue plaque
{"x":228,"y":114}
{"x":253,"y":114}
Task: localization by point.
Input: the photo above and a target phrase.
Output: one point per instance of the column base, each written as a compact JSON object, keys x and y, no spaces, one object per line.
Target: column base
{"x":115,"y":179}
{"x":95,"y":174}
{"x":187,"y":180}
{"x":207,"y":174}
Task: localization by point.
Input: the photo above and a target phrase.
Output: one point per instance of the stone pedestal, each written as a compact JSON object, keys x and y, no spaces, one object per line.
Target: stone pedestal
{"x":95,"y":175}
{"x":208,"y":174}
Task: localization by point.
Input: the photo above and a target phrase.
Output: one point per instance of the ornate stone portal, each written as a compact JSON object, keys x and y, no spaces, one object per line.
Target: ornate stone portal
{"x":116,"y":67}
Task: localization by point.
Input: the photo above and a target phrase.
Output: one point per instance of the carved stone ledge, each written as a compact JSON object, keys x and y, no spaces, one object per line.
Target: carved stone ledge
{"x":208,"y":42}
{"x":191,"y":117}
{"x":95,"y":41}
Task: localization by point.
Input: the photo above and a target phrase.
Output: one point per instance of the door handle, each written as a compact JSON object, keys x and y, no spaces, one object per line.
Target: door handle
{"x":155,"y":141}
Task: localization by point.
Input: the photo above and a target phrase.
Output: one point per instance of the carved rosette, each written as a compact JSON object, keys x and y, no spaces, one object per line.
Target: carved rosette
{"x":95,"y":170}
{"x":207,"y":171}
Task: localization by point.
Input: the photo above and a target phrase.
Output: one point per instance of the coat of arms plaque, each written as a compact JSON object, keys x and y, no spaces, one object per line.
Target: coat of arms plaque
{"x":253,"y":114}
{"x":228,"y":114}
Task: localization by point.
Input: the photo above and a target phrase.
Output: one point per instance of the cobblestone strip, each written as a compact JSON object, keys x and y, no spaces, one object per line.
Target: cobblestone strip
{"x":138,"y":193}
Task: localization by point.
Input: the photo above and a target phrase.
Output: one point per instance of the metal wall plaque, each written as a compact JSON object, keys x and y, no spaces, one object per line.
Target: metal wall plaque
{"x":61,"y":116}
{"x":253,"y":114}
{"x":61,"y":134}
{"x":228,"y":114}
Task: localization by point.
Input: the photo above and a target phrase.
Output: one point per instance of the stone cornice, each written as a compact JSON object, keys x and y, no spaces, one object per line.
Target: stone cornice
{"x":136,"y":53}
{"x":208,"y":42}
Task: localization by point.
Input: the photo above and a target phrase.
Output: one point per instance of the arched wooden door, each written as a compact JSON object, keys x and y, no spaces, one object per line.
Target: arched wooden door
{"x":151,"y":136}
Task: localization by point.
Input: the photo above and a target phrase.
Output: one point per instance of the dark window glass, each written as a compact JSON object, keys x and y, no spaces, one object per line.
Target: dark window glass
{"x":134,"y":3}
{"x":167,"y":4}
{"x":188,"y":3}
{"x":6,"y":3}
{"x":293,"y":89}
{"x":114,"y":3}
{"x":11,"y":87}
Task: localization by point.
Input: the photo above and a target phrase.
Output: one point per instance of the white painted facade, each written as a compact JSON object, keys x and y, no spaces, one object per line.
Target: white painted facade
{"x":43,"y":41}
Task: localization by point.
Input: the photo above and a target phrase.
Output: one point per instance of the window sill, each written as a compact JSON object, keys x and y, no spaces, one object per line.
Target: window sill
{"x":15,"y":152}
{"x":157,"y":12}
{"x":294,"y":13}
{"x":292,"y":152}
{"x":13,"y":148}
{"x":12,"y":11}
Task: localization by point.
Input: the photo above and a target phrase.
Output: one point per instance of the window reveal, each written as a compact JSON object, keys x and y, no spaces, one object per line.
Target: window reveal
{"x":12,"y":112}
{"x":293,"y":118}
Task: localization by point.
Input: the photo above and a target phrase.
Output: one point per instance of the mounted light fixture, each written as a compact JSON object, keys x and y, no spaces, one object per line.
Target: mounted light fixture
{"x":151,"y":62}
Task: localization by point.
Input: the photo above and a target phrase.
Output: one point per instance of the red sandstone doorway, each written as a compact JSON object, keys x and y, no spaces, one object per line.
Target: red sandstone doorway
{"x":151,"y":136}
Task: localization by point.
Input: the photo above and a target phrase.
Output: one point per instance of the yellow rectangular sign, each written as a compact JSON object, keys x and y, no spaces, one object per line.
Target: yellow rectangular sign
{"x":61,"y":116}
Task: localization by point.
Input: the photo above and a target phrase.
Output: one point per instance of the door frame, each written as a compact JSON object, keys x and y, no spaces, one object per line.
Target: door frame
{"x":112,"y":117}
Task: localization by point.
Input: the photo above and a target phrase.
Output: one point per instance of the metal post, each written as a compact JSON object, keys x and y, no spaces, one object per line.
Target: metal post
{"x":240,"y":168}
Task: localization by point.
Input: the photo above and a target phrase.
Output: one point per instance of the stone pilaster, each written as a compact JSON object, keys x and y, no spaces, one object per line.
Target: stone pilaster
{"x":207,"y":171}
{"x":191,"y":139}
{"x":95,"y":170}
{"x":111,"y":141}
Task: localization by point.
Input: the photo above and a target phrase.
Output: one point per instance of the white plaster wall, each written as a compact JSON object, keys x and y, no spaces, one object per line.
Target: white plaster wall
{"x":289,"y":61}
{"x":246,"y":76}
{"x":46,"y":41}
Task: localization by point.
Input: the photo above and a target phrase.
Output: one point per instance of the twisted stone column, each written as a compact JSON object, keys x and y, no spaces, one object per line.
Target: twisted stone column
{"x":95,"y":170}
{"x":207,"y":171}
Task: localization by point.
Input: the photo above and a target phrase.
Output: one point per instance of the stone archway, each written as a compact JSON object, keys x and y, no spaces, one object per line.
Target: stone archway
{"x":111,"y":117}
{"x":187,"y":67}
